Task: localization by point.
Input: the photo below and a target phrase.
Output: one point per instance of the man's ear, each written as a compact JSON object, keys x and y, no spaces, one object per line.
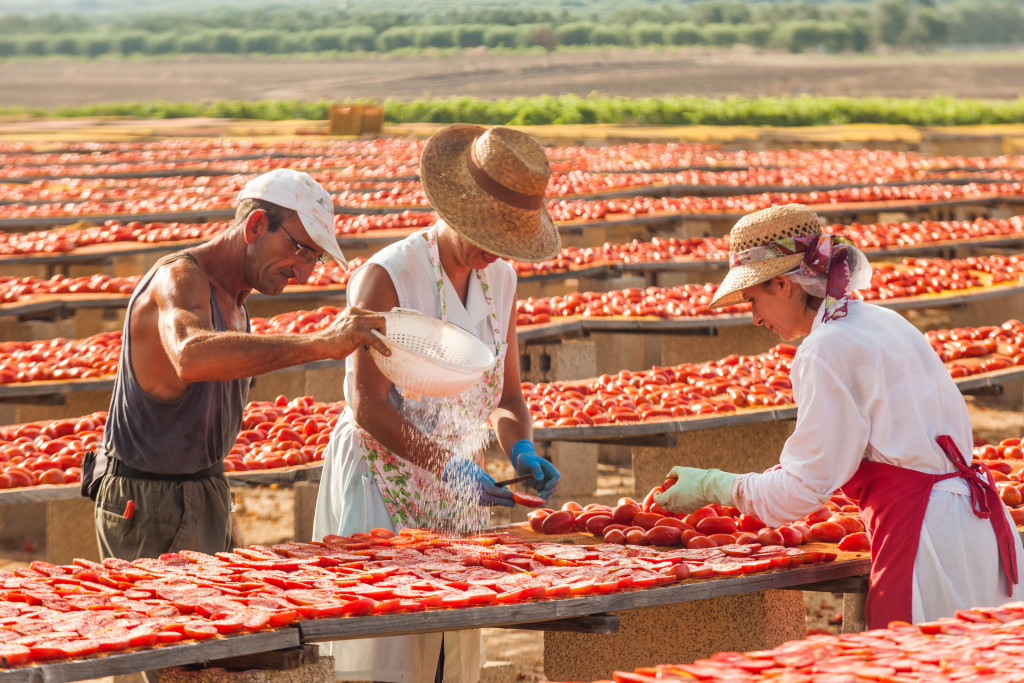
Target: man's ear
{"x":255,"y":223}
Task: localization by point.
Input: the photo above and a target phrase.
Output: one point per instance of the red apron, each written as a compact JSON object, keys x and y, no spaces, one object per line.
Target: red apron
{"x":892,"y":501}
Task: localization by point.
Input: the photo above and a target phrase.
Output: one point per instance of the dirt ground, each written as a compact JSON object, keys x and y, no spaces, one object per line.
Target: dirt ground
{"x":51,"y":82}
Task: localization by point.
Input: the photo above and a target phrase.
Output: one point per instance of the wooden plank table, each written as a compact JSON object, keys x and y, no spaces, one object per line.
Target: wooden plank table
{"x":488,"y":616}
{"x":564,"y":615}
{"x":149,"y":659}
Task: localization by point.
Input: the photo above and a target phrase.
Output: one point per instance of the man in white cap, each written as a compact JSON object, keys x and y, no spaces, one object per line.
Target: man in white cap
{"x":186,"y":359}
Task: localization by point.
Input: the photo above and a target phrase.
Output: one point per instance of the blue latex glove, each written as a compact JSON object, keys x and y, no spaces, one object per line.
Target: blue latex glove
{"x":526,"y":461}
{"x":695,"y":488}
{"x":463,"y":474}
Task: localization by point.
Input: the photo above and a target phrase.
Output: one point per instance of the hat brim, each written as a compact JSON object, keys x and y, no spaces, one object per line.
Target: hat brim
{"x":507,"y":231}
{"x":318,"y":233}
{"x":730,"y":292}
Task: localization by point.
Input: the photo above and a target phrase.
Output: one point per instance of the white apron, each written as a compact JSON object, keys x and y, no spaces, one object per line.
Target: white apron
{"x":363,"y":485}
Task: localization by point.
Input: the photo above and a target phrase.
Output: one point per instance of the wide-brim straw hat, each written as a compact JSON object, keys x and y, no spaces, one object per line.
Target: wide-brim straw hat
{"x":758,"y":229}
{"x":488,"y":184}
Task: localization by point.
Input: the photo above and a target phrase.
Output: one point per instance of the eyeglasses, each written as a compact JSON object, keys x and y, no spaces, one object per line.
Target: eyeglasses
{"x":304,"y":253}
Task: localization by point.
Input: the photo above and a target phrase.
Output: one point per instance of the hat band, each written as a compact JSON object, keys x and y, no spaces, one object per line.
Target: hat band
{"x":823,"y":254}
{"x":506,"y":195}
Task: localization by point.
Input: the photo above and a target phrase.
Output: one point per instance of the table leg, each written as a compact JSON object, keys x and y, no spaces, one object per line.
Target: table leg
{"x":676,"y":634}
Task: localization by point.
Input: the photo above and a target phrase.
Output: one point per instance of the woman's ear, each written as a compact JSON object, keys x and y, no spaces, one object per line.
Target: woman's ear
{"x":783,"y":285}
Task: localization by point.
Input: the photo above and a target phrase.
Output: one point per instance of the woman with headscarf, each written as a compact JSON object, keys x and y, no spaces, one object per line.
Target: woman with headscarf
{"x":396,"y":460}
{"x":878,"y":416}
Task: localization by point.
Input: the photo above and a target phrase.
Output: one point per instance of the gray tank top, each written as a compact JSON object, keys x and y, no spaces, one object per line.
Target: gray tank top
{"x":182,"y":436}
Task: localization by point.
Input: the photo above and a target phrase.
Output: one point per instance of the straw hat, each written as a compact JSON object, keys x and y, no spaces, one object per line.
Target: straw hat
{"x":759,"y":229}
{"x":488,"y":184}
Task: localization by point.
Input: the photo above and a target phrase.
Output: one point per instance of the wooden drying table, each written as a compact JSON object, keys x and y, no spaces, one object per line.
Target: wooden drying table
{"x":585,"y":621}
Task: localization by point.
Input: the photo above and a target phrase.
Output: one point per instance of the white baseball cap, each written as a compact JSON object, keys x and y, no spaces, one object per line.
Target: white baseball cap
{"x":298,"y":191}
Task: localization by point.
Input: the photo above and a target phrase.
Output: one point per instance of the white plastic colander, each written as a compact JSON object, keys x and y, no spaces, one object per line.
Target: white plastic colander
{"x":430,"y":357}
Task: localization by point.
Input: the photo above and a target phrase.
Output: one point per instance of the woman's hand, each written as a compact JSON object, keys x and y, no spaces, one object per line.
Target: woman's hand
{"x":695,"y":488}
{"x":458,"y":472}
{"x":525,"y":460}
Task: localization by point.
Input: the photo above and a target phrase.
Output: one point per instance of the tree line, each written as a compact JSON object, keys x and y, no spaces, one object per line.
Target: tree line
{"x":794,"y":26}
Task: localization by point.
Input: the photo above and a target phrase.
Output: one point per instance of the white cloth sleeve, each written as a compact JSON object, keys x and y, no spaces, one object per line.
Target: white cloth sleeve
{"x":824,"y":451}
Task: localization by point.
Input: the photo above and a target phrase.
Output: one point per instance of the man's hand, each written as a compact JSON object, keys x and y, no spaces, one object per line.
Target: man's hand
{"x":351,"y":330}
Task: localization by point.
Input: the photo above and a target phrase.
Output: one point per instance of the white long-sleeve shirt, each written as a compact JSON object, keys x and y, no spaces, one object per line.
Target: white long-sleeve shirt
{"x":866,"y":385}
{"x":869,"y":386}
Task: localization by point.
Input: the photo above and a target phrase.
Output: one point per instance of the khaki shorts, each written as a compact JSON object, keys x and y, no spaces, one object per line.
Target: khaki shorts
{"x":168,"y":516}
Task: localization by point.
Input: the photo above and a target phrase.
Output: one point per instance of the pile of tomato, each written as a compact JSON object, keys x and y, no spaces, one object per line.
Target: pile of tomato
{"x":20,"y":289}
{"x":60,"y":359}
{"x":712,"y":526}
{"x":275,"y":434}
{"x":681,"y":391}
{"x":1000,"y":459}
{"x":23,"y":289}
{"x":583,"y":210}
{"x":381,"y":156}
{"x":912,"y":277}
{"x":400,"y":158}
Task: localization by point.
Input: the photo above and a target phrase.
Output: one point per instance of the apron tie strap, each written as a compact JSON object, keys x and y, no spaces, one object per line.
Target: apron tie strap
{"x":985,"y":503}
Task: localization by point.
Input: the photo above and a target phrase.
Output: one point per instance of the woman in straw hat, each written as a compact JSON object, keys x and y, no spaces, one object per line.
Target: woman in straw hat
{"x":879,"y":417}
{"x":394,"y":461}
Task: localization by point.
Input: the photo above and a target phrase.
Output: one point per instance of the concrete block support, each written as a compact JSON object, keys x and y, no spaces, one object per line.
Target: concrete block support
{"x":498,"y":672}
{"x":677,"y":634}
{"x":305,"y":493}
{"x":611,"y":284}
{"x":323,"y":384}
{"x":319,"y":671}
{"x":577,"y":463}
{"x":739,"y":448}
{"x":13,"y":329}
{"x":74,"y":405}
{"x":71,"y":531}
{"x":745,"y":340}
{"x":569,"y":360}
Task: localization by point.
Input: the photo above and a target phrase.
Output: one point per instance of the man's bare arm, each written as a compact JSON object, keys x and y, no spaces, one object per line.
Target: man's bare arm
{"x":199,"y":353}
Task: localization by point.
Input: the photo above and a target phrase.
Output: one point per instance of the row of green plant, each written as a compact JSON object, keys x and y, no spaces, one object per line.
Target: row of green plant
{"x":803,"y":110}
{"x":794,"y":26}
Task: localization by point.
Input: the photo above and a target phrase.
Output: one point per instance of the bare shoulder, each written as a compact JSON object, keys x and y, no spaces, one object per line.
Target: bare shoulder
{"x":376,"y":289}
{"x":180,"y":284}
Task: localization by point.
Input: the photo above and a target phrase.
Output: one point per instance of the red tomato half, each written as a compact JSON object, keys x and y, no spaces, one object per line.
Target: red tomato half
{"x":527,"y":499}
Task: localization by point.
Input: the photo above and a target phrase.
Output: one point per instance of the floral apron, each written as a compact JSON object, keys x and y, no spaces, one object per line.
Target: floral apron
{"x":415,"y":497}
{"x":892,"y":501}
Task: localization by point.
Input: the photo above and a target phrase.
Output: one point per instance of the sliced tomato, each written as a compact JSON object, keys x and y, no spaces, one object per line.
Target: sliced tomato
{"x":80,"y":647}
{"x":143,"y":637}
{"x":48,"y":649}
{"x":456,"y":599}
{"x":199,"y":630}
{"x":14,"y":655}
{"x":389,"y":605}
{"x":528,"y":499}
